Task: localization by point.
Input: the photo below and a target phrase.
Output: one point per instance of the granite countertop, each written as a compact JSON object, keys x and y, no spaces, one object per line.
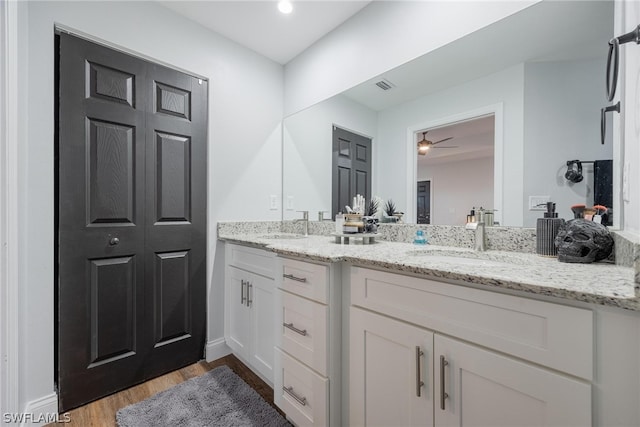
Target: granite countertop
{"x":599,"y":283}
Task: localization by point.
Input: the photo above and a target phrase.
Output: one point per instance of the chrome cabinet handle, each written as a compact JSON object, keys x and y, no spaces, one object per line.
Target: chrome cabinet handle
{"x":114,"y":241}
{"x":242,"y":297}
{"x":443,"y":394}
{"x":419,"y":382}
{"x":297,"y":279}
{"x":302,"y":332}
{"x":249,"y":294}
{"x":300,"y":400}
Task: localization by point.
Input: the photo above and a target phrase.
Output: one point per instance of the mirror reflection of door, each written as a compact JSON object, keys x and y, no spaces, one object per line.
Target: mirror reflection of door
{"x":424,"y":202}
{"x":351,"y":168}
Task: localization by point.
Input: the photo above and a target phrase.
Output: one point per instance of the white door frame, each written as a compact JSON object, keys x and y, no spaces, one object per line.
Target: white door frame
{"x":498,"y":155}
{"x":9,"y":344}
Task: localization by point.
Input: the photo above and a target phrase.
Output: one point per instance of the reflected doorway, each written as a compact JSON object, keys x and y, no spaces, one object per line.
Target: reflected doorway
{"x":423,"y":214}
{"x":460,"y":156}
{"x":351,"y":168}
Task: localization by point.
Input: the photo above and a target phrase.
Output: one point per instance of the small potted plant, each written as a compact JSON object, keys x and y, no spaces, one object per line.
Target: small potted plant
{"x":370,"y":216}
{"x":372,"y":208}
{"x":391,"y":211}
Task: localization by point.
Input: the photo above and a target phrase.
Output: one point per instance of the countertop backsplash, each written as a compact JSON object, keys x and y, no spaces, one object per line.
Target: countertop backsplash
{"x":514,"y":239}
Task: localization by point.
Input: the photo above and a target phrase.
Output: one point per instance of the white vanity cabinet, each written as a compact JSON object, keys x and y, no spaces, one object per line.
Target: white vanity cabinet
{"x":479,"y":387}
{"x":426,"y":353}
{"x":390,"y":373}
{"x":249,"y":309}
{"x":307,"y":377}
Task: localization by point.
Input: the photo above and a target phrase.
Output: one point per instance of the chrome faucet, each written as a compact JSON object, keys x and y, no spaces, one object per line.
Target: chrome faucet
{"x":479,"y":240}
{"x":305,"y":222}
{"x":321,"y":216}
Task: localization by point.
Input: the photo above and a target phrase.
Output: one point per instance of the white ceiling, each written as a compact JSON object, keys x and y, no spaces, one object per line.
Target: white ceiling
{"x":259,"y":25}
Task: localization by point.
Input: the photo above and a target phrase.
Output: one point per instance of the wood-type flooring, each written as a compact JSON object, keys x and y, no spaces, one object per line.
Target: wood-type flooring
{"x":102,"y":412}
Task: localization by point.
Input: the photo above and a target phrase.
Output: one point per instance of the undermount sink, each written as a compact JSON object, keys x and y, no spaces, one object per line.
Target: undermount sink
{"x":467,"y":257}
{"x":283,"y":236}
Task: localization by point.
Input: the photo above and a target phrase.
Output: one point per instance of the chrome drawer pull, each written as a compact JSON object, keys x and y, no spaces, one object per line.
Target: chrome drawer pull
{"x":297,"y":279}
{"x":302,"y":332}
{"x":419,"y":382}
{"x":249,"y":294}
{"x":443,"y":394}
{"x":242,"y":297}
{"x":300,"y":400}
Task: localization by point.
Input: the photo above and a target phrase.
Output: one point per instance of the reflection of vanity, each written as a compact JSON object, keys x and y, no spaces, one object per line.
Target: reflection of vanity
{"x":547,"y":89}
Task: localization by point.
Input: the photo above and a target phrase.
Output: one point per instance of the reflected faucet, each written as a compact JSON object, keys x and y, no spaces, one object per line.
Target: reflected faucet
{"x":479,"y":240}
{"x":305,"y":222}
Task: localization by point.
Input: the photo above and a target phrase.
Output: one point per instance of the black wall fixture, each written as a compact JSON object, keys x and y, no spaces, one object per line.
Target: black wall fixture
{"x":603,"y":119}
{"x":574,"y":171}
{"x":613,"y":65}
{"x":613,"y":59}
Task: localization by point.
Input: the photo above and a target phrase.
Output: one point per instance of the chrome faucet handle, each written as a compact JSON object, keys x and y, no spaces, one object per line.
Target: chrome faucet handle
{"x":479,"y":237}
{"x":321,"y":216}
{"x":305,"y":222}
{"x":471,"y":225}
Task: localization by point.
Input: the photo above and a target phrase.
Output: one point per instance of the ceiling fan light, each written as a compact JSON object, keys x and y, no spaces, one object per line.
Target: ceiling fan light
{"x":423,"y":148}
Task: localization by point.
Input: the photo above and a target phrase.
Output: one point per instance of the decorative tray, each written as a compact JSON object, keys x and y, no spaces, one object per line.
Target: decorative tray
{"x":348,"y":238}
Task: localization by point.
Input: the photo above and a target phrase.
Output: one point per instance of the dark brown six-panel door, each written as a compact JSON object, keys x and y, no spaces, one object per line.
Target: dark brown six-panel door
{"x":131,"y":226}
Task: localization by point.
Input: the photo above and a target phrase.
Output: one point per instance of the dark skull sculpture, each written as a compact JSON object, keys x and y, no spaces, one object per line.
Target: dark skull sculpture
{"x":583,"y":241}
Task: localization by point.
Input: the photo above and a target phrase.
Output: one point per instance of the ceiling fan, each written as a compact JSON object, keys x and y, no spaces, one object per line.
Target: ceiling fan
{"x":424,"y":144}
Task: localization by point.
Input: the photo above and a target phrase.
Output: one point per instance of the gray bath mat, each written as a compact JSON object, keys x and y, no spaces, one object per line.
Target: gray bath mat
{"x":217,"y":398}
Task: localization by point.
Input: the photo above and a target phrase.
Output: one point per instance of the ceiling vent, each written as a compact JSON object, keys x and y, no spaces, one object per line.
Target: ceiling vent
{"x":385,"y":84}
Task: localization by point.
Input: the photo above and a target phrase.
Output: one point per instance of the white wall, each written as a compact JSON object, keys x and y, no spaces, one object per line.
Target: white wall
{"x":562,"y":103}
{"x":458,"y":186}
{"x":9,"y":311}
{"x":383,"y":35}
{"x":504,"y":87}
{"x":245,"y":109}
{"x":307,"y":151}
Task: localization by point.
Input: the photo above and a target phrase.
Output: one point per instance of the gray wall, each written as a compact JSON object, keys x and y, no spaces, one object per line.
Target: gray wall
{"x":562,"y":103}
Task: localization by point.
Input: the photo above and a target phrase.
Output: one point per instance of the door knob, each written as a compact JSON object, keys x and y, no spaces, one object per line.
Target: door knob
{"x":114,"y":241}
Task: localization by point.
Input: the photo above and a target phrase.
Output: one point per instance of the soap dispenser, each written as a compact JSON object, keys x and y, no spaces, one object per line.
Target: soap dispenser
{"x":420,"y":238}
{"x":546,"y":231}
{"x":339,"y":223}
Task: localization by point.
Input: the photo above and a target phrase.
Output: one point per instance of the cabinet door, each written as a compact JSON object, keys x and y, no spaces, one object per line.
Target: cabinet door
{"x":238,"y":314}
{"x":391,"y":372}
{"x":487,"y":389}
{"x":260,"y":294}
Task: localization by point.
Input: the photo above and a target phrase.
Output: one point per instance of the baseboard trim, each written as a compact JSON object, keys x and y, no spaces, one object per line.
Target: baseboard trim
{"x":216,"y":349}
{"x":41,"y":411}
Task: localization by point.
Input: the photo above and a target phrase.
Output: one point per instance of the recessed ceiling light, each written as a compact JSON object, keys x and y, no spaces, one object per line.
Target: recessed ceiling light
{"x":285,"y":6}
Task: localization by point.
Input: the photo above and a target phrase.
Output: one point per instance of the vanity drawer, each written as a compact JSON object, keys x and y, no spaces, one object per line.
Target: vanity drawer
{"x":254,"y":260}
{"x":301,"y":393}
{"x":550,"y":334}
{"x":305,"y":279}
{"x":304,"y":330}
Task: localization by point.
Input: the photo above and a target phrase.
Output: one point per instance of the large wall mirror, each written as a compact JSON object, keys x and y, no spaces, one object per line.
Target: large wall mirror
{"x":502,"y":109}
